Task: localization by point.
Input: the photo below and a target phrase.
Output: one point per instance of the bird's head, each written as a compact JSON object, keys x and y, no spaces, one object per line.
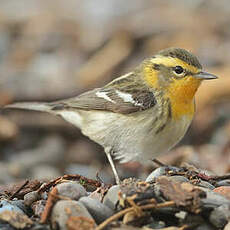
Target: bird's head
{"x":176,"y":74}
{"x":175,"y":69}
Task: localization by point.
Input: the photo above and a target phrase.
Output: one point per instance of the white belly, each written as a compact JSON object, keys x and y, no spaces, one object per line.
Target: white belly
{"x":131,"y":137}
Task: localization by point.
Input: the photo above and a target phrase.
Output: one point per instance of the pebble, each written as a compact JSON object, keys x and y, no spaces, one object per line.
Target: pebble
{"x":20,"y":204}
{"x":6,"y":226}
{"x":219,"y":216}
{"x":40,"y":227}
{"x":223,"y":183}
{"x":72,"y":190}
{"x":80,"y":223}
{"x":213,"y":199}
{"x":38,"y":207}
{"x":111,"y":197}
{"x":99,"y":211}
{"x":160,"y":172}
{"x":223,"y":190}
{"x":31,"y":197}
{"x":179,"y":178}
{"x":10,"y":206}
{"x":63,"y":209}
{"x":205,"y":184}
{"x":156,"y":225}
{"x":204,"y":226}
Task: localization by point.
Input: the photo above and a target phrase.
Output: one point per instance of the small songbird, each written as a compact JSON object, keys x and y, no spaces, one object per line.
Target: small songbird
{"x":139,"y":115}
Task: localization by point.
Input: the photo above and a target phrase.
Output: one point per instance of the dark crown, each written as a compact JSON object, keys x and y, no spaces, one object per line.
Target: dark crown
{"x":181,"y":54}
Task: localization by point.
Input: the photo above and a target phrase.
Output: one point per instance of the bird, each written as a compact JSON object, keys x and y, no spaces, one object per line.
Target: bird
{"x":139,"y":115}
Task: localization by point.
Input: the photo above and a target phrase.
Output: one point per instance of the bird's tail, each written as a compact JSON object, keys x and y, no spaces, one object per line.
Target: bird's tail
{"x":37,"y":106}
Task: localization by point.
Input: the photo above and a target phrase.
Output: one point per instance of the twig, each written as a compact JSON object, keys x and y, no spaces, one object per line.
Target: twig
{"x":19,"y":189}
{"x":52,"y":198}
{"x":123,"y":212}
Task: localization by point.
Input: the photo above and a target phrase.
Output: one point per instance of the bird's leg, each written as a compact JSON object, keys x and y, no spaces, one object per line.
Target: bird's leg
{"x":108,"y":151}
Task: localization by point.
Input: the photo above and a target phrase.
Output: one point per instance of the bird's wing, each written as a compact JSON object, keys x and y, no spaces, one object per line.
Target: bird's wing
{"x":109,"y":100}
{"x":119,"y":96}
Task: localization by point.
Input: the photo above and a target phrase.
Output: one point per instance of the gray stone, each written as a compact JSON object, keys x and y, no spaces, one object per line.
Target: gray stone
{"x":63,"y":209}
{"x":219,"y":216}
{"x":111,"y":197}
{"x":6,"y":226}
{"x":156,"y":225}
{"x":31,"y":197}
{"x":204,"y":227}
{"x":10,"y":206}
{"x":20,"y":204}
{"x":213,"y":199}
{"x":38,"y":207}
{"x":73,"y":190}
{"x":39,"y":227}
{"x":160,"y":172}
{"x":99,"y":211}
{"x":179,"y":178}
{"x":205,"y":184}
{"x":223,"y":183}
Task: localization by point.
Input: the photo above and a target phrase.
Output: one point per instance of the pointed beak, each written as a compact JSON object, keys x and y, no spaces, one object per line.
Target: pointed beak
{"x":205,"y":76}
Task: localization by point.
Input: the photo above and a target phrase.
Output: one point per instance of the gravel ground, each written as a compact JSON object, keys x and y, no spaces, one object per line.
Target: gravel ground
{"x":56,"y":49}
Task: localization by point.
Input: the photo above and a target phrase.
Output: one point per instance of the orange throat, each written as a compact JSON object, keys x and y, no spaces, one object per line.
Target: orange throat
{"x":181,"y":94}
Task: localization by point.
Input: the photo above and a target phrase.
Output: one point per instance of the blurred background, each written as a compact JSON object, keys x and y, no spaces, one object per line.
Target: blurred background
{"x":51,"y":50}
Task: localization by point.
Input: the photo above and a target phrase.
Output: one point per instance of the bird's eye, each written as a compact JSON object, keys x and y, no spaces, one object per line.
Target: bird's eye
{"x":178,"y":70}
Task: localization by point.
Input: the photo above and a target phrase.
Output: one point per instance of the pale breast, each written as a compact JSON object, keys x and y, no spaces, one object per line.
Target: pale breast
{"x":173,"y":132}
{"x":132,"y":137}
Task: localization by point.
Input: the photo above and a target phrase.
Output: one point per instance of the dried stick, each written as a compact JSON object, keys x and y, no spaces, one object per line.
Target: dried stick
{"x":123,"y":212}
{"x":52,"y":198}
{"x":19,"y":189}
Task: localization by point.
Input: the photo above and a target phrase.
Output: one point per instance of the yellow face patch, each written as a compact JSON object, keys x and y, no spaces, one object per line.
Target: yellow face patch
{"x":180,"y":91}
{"x":150,"y":75}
